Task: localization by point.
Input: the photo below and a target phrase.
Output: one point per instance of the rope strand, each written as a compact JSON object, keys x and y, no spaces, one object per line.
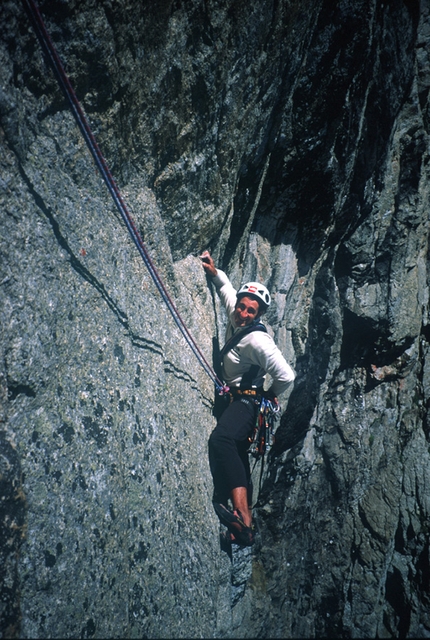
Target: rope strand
{"x":100,"y":161}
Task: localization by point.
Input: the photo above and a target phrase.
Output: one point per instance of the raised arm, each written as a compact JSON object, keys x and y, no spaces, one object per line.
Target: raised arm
{"x":208,"y":264}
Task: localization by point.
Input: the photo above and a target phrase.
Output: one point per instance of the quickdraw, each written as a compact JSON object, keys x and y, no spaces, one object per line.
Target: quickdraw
{"x":263,"y":436}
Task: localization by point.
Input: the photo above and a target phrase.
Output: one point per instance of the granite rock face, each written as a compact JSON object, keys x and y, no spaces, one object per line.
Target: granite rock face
{"x":291,"y":139}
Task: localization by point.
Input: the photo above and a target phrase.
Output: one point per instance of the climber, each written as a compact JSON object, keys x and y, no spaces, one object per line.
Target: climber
{"x":244,"y":365}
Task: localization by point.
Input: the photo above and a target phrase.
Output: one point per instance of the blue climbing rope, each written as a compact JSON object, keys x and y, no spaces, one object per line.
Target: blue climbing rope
{"x":100,"y":161}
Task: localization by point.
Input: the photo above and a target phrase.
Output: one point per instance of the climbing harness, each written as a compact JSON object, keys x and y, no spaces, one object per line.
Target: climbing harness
{"x":223,"y":399}
{"x":100,"y":161}
{"x":263,"y":438}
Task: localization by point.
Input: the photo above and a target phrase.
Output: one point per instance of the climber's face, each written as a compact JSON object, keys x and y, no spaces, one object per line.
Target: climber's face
{"x":246,"y":311}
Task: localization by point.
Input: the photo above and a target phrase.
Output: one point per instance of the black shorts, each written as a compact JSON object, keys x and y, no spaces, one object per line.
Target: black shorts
{"x":228,"y":447}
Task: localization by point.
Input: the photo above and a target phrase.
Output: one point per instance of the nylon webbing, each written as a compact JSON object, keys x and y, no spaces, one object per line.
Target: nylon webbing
{"x":80,"y":118}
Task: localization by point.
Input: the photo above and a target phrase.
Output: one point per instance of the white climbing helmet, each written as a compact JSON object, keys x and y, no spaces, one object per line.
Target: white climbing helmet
{"x":257,"y":290}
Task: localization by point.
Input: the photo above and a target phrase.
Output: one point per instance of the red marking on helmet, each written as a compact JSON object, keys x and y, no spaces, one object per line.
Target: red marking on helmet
{"x":252,"y":289}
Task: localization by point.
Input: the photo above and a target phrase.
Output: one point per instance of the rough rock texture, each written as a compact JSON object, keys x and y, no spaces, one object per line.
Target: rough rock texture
{"x":291,"y":139}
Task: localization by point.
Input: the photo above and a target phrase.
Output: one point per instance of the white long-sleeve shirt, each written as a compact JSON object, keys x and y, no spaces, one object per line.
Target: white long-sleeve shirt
{"x":255,"y":348}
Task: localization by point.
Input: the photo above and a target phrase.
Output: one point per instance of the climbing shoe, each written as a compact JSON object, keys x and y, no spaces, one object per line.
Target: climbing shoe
{"x":240,"y":533}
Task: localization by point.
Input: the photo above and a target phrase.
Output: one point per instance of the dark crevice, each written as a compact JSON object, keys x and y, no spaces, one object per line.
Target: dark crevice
{"x":295,"y":421}
{"x":423,"y":574}
{"x":399,"y":544}
{"x":180,"y":374}
{"x":247,"y":189}
{"x":367,"y":342}
{"x":169,"y":367}
{"x":332,"y":478}
{"x":149,"y":345}
{"x":13,"y":508}
{"x":395,"y":594}
{"x":20,"y":389}
{"x":312,"y":367}
{"x":84,"y":273}
{"x":75,"y":263}
{"x":253,"y":169}
{"x":425,"y":332}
